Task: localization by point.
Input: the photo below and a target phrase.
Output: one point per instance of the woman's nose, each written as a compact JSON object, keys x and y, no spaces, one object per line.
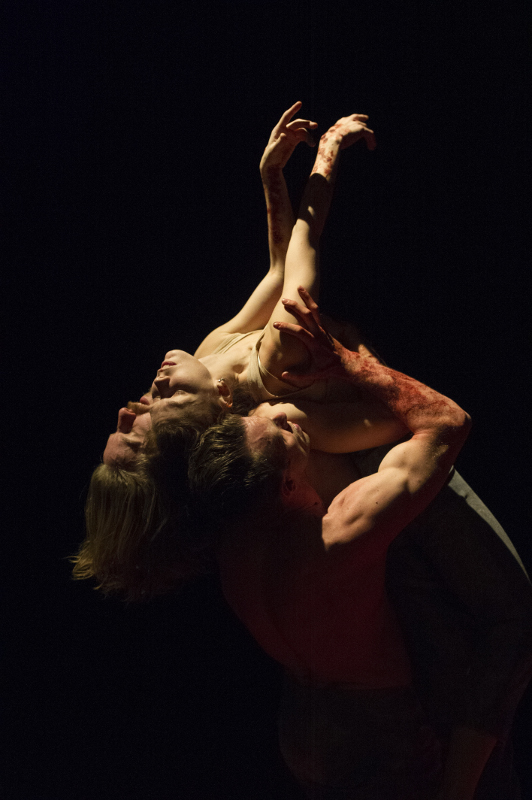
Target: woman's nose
{"x":126,"y":418}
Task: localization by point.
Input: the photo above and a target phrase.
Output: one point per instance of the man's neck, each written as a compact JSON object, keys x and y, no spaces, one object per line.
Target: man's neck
{"x":330,"y":473}
{"x":304,"y":498}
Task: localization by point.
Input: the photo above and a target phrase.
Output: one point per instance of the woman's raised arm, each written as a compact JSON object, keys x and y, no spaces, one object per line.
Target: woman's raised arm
{"x":257,"y":310}
{"x":278,"y":351}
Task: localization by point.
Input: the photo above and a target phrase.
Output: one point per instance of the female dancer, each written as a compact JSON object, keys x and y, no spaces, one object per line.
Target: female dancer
{"x":247,"y":350}
{"x":124,"y":515}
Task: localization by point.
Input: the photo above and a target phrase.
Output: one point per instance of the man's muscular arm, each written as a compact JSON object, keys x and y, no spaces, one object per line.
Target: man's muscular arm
{"x":412,"y":472}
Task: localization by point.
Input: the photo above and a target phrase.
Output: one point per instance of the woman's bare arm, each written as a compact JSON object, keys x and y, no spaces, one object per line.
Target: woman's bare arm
{"x":278,"y":351}
{"x":283,"y":139}
{"x":257,"y":310}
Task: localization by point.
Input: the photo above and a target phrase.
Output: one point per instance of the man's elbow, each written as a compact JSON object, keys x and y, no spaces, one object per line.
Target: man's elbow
{"x":457,"y":427}
{"x":466,"y":423}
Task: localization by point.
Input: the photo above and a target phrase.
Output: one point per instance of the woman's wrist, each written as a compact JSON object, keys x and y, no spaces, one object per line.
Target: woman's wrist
{"x":270,"y":172}
{"x":326,"y":159}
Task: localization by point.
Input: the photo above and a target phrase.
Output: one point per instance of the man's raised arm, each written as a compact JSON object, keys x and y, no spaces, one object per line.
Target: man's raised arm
{"x":412,"y":472}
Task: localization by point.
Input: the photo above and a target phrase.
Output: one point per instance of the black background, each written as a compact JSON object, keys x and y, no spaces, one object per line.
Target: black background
{"x":133,"y":136}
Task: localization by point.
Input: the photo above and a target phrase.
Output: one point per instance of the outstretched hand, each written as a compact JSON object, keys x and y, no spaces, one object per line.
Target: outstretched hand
{"x":285,"y":137}
{"x":349,"y":130}
{"x":324,"y":349}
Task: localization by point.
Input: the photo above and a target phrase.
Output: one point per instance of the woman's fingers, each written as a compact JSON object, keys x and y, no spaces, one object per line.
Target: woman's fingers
{"x":287,"y":116}
{"x":302,"y":123}
{"x":369,"y":137}
{"x":289,"y":113}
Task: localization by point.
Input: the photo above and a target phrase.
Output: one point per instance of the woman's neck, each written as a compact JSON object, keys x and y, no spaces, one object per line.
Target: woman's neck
{"x":223,"y":366}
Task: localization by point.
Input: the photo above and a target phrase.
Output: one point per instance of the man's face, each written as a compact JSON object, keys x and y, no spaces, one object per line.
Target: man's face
{"x":181,"y":381}
{"x":261,"y":429}
{"x":127,"y":441}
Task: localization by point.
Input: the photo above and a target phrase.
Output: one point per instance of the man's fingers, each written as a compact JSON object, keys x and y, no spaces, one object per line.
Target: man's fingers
{"x":310,"y":304}
{"x":298,"y":381}
{"x":298,"y":310}
{"x":360,"y":131}
{"x":309,"y":319}
{"x":307,"y":298}
{"x":293,"y":330}
{"x":294,"y":308}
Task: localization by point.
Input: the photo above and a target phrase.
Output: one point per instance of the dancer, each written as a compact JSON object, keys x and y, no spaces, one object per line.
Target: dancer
{"x":301,"y":553}
{"x":123,"y":510}
{"x":472,"y":523}
{"x":464,"y":603}
{"x":247,"y":349}
{"x":463,"y":599}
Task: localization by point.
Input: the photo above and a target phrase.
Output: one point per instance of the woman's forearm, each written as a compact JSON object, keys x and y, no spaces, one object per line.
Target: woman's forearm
{"x":280,"y":215}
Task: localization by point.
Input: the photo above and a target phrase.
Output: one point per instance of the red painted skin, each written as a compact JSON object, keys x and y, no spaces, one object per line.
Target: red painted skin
{"x":274,"y":208}
{"x":402,"y":394}
{"x":312,"y":594}
{"x":325,"y":160}
{"x":324,"y":164}
{"x":405,"y":397}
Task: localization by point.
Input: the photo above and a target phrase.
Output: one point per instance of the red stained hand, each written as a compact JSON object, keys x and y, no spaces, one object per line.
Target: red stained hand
{"x":285,"y":137}
{"x":324,"y":349}
{"x":349,"y":130}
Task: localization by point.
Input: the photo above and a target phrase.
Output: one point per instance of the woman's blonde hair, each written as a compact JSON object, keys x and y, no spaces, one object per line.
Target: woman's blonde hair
{"x":138,"y":539}
{"x":141,"y":537}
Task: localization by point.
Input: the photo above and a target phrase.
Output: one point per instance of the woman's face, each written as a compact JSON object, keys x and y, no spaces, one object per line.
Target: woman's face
{"x":181,"y":381}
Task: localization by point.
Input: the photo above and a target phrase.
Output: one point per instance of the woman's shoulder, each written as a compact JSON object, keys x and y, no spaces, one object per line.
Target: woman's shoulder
{"x":220,"y":341}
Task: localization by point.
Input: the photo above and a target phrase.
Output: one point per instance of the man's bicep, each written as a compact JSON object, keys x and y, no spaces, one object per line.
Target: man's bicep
{"x":381,"y":505}
{"x":373,"y":506}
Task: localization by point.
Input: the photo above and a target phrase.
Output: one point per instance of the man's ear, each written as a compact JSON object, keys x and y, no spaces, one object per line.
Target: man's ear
{"x":225,"y":393}
{"x":288,"y":487}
